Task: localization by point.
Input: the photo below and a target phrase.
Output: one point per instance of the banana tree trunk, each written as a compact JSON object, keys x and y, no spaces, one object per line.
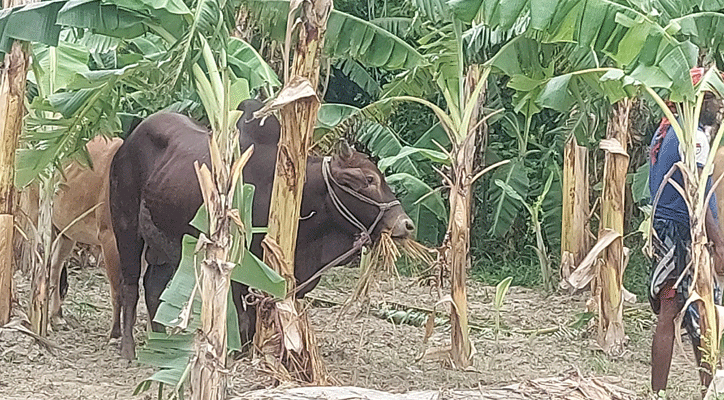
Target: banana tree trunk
{"x":459,"y":254}
{"x":703,"y":271}
{"x":295,"y":347}
{"x":208,"y":375}
{"x":208,"y":369}
{"x":458,"y":231}
{"x":609,"y":284}
{"x":12,"y":96}
{"x":41,"y":267}
{"x":575,"y":240}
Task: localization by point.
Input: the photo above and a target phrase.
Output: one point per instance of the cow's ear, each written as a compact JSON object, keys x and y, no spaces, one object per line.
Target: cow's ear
{"x":345,"y":151}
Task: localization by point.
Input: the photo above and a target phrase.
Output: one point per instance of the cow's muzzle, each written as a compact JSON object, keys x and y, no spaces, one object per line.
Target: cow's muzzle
{"x":403,"y":228}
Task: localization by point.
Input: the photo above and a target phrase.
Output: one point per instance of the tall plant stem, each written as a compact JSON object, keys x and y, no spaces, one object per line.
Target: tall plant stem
{"x":296,"y":347}
{"x":610,"y":274}
{"x":12,"y":95}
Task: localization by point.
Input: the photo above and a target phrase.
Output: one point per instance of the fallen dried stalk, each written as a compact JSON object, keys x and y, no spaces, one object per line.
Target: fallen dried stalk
{"x":382,"y":259}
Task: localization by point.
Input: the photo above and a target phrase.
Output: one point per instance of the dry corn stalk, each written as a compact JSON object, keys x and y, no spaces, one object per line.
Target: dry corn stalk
{"x":382,"y":259}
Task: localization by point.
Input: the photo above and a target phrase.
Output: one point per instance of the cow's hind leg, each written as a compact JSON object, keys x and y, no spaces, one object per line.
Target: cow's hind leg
{"x":154,"y":282}
{"x":62,"y":251}
{"x":113,"y":271}
{"x":130,"y":250}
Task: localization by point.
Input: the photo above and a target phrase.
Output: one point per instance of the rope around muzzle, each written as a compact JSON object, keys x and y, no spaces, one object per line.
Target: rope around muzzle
{"x":365,"y":237}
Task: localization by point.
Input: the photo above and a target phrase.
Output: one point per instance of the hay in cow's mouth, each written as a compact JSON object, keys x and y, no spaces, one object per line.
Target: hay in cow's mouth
{"x":382,"y":258}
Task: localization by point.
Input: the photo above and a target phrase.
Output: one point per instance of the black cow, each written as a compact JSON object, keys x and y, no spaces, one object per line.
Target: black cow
{"x":155,"y":194}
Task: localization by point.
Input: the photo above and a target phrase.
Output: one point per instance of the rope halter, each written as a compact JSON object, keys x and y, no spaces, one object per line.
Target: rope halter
{"x":342,"y":209}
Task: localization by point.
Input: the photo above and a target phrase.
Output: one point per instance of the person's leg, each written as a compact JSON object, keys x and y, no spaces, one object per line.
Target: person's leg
{"x":663,"y":342}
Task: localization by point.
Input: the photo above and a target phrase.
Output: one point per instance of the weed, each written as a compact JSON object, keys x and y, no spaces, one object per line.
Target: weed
{"x":636,"y":276}
{"x":500,"y":291}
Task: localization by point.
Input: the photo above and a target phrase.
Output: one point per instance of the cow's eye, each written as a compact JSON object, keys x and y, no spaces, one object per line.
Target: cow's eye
{"x":370,"y":179}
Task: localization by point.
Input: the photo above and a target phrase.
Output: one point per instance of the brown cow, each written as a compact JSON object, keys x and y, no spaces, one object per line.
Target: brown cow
{"x":82,"y":190}
{"x":154,"y":195}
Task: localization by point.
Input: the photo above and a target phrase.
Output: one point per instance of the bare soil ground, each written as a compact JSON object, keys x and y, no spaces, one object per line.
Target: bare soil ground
{"x":359,"y":346}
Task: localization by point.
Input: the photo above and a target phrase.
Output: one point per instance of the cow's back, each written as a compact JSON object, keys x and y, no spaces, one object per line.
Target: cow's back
{"x":172,"y":195}
{"x":158,"y":173}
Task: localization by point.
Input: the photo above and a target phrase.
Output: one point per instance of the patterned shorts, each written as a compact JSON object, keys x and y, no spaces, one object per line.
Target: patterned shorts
{"x":672,"y":253}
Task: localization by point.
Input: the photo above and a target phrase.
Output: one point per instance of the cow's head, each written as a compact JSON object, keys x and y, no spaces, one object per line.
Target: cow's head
{"x":362,"y":188}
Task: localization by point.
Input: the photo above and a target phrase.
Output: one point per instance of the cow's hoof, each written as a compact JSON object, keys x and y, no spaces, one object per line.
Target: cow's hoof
{"x":128,"y":354}
{"x":128,"y":351}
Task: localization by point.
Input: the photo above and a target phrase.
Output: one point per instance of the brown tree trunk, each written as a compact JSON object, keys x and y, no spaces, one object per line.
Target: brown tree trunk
{"x":208,"y":372}
{"x":41,"y":267}
{"x":459,"y":259}
{"x":296,"y":346}
{"x":608,"y":285}
{"x":12,"y":96}
{"x":575,"y":239}
{"x":457,"y":246}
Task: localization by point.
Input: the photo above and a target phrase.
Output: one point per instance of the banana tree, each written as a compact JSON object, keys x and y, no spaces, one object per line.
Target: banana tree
{"x":299,"y":104}
{"x":12,"y":92}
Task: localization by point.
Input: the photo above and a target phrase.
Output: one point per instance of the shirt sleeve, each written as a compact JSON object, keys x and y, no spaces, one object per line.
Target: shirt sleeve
{"x":702,"y":147}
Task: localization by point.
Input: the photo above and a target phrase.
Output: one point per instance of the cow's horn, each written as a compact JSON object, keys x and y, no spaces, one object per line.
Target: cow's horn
{"x":345,"y":151}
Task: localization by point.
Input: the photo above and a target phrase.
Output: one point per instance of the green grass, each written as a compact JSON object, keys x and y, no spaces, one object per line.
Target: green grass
{"x":495,"y":259}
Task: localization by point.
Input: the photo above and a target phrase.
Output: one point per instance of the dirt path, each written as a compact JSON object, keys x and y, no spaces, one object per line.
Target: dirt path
{"x":360,"y":349}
